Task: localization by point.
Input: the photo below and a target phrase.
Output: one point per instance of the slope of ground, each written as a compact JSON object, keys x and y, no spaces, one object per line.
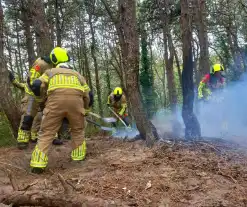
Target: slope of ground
{"x":118,"y":173}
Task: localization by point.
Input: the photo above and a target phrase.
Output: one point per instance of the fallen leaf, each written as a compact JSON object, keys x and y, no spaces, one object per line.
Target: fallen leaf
{"x":149,"y":185}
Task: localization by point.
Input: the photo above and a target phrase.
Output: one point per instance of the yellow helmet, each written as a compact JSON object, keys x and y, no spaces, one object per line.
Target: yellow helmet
{"x":59,"y":55}
{"x":118,"y":91}
{"x":217,"y":67}
{"x":64,"y":65}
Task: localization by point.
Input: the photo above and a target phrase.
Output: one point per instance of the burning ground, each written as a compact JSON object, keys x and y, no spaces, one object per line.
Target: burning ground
{"x":120,"y":173}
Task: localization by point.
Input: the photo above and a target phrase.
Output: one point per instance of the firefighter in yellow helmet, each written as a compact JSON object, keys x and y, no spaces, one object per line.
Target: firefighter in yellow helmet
{"x":211,"y":82}
{"x":117,"y":100}
{"x":67,"y":97}
{"x":30,"y":103}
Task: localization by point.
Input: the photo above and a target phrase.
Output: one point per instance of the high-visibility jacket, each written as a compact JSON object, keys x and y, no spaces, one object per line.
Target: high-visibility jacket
{"x":38,"y":68}
{"x":119,"y":106}
{"x":208,"y":84}
{"x":63,"y":78}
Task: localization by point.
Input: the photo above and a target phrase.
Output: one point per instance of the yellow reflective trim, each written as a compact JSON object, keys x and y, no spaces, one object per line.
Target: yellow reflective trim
{"x":79,"y":153}
{"x":34,"y":75}
{"x":44,"y":78}
{"x":63,"y":81}
{"x":38,"y":159}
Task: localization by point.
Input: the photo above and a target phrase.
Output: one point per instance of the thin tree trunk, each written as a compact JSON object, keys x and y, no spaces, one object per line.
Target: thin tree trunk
{"x":93,"y":53}
{"x":167,"y":38}
{"x":178,"y":65}
{"x":27,"y":32}
{"x":19,"y":49}
{"x":108,"y":77}
{"x":192,"y":126}
{"x":85,"y":51}
{"x":201,"y":21}
{"x":58,"y":29}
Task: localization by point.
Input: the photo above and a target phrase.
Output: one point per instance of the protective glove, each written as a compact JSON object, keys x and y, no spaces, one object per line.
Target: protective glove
{"x":121,"y":114}
{"x":87,"y":111}
{"x":91,"y":98}
{"x":11,"y":76}
{"x":108,"y":104}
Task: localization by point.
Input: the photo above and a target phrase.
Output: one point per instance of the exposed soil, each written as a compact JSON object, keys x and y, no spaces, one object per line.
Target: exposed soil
{"x":120,"y":173}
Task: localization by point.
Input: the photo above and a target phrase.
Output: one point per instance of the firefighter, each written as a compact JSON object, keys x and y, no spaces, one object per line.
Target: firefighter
{"x":67,"y":97}
{"x":211,"y":82}
{"x":37,"y":119}
{"x":117,"y":100}
{"x":30,"y":103}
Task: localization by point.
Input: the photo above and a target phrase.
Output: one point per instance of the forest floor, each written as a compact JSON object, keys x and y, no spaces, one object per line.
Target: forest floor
{"x":120,"y":173}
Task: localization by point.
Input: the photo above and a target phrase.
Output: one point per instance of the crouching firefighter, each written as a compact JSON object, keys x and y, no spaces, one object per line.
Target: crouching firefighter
{"x":37,"y":118}
{"x":67,"y":97}
{"x":117,"y":100}
{"x":30,"y":104}
{"x":211,"y":82}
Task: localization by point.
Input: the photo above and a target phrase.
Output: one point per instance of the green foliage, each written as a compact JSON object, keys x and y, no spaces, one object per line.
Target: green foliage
{"x":6,"y":137}
{"x":146,"y":77}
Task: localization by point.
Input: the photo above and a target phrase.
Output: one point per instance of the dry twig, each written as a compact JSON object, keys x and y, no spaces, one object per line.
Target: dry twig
{"x":29,"y":185}
{"x":225,"y":175}
{"x":12,"y":180}
{"x":65,"y":185}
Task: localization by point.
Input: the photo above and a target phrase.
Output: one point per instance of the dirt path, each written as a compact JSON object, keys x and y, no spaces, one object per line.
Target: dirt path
{"x":118,"y":173}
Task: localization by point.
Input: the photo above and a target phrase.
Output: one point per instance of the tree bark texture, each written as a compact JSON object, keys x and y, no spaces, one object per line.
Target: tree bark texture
{"x":27,"y":23}
{"x":168,"y":55}
{"x":7,"y":102}
{"x":201,"y":21}
{"x":96,"y":68}
{"x":192,"y":126}
{"x":58,"y":27}
{"x":130,"y":54}
{"x":41,"y":27}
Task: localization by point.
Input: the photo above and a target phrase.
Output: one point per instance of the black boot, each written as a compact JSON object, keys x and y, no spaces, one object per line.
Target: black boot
{"x":37,"y":170}
{"x":57,"y":142}
{"x":22,"y":145}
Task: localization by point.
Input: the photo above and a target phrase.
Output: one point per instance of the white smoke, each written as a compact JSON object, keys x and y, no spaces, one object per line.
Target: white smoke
{"x":224,"y":116}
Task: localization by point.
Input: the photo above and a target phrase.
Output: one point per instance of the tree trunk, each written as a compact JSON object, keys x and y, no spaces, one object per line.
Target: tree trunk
{"x":178,"y":65}
{"x":108,"y":77}
{"x":170,"y":74}
{"x":18,"y":48}
{"x":41,"y":26}
{"x":58,"y":29}
{"x":7,"y":102}
{"x":168,"y":45}
{"x":192,"y":126}
{"x":26,"y":18}
{"x":146,"y":75}
{"x":201,"y":21}
{"x":237,"y":66}
{"x":85,"y":54}
{"x":93,"y":53}
{"x":130,"y":53}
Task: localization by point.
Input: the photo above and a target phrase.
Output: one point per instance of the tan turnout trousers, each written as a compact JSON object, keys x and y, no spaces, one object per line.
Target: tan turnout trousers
{"x":62,"y":103}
